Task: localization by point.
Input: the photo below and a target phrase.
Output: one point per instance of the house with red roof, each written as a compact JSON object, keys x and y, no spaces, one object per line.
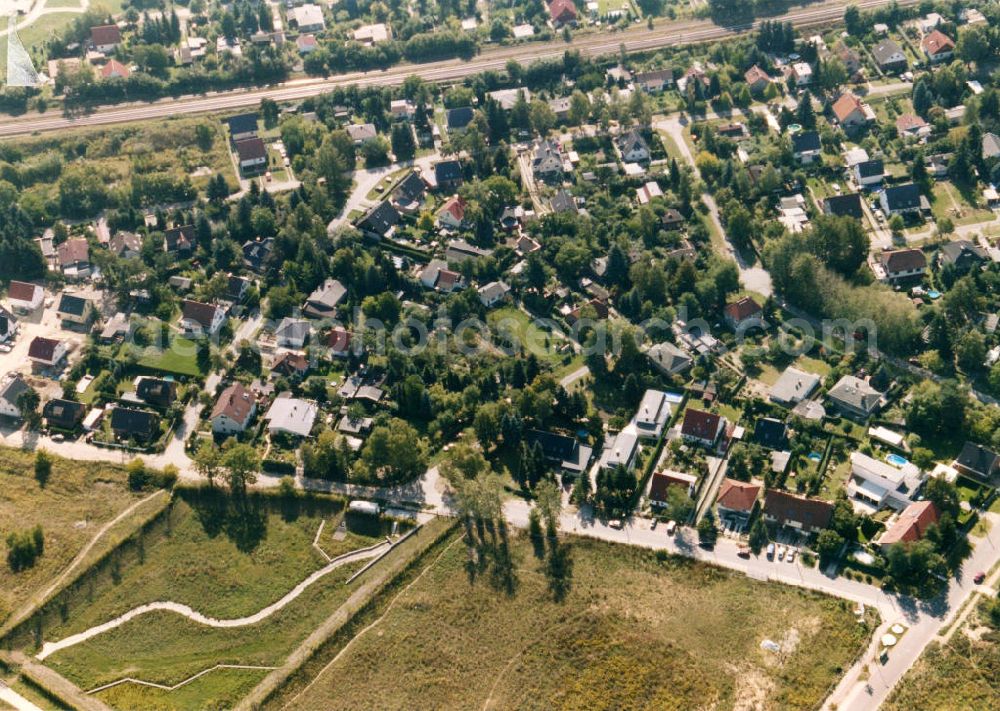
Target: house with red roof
{"x":737,"y":498}
{"x":743,"y":314}
{"x":937,"y":46}
{"x":562,"y":12}
{"x":199,"y":318}
{"x":701,"y":427}
{"x":233,"y":410}
{"x":105,"y":37}
{"x":339,"y":341}
{"x":661,"y":482}
{"x":756,"y":78}
{"x":910,"y":525}
{"x":115,"y":70}
{"x":452,"y":213}
{"x":23,"y":296}
{"x":851,"y":112}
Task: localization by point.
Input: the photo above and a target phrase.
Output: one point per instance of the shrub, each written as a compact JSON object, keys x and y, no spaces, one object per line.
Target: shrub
{"x":24,"y":548}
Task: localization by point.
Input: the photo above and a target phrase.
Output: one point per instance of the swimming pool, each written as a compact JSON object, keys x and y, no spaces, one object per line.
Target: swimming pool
{"x":896,"y":460}
{"x":934,"y":294}
{"x":815,"y":456}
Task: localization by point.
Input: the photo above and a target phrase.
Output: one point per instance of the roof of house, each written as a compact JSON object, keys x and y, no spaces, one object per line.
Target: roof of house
{"x":848,"y":205}
{"x":325,"y":298}
{"x":805,"y":141}
{"x":125,"y":242}
{"x":547,"y":157}
{"x":562,"y":201}
{"x":662,"y":481}
{"x":105,"y":34}
{"x":306,"y":41}
{"x":494,"y":290}
{"x":251,"y":148}
{"x":63,"y":412}
{"x":448,"y":171}
{"x":903,"y":260}
{"x":180,"y":238}
{"x":562,"y":10}
{"x":855,"y":392}
{"x":654,"y":76}
{"x":362,"y":131}
{"x":870,"y":168}
{"x":755,"y":74}
{"x":455,"y":206}
{"x":937,"y":42}
{"x":991,"y":145}
{"x":459,"y":117}
{"x":12,"y":387}
{"x":133,"y":422}
{"x":912,"y":523}
{"x":410,"y":189}
{"x":902,"y":197}
{"x":700,"y":424}
{"x":771,"y":433}
{"x":43,"y":349}
{"x":339,"y":339}
{"x":23,"y":291}
{"x":742,"y":309}
{"x":156,"y":390}
{"x":380,"y":219}
{"x":846,"y":105}
{"x":294,"y":329}
{"x":783,"y":506}
{"x":73,"y":251}
{"x":976,"y":458}
{"x":292,"y":415}
{"x":962,"y":249}
{"x":235,"y":402}
{"x":633,"y":141}
{"x":794,"y":385}
{"x":909,"y":122}
{"x":737,"y":495}
{"x":199,"y":312}
{"x":887,"y":52}
{"x":242,"y":123}
{"x":289,"y":363}
{"x":669,"y":357}
{"x":114,"y":68}
{"x":72,"y":305}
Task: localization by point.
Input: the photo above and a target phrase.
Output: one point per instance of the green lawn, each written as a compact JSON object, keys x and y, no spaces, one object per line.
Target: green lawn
{"x":525,"y":334}
{"x":633,"y":633}
{"x":181,"y":358}
{"x":77,"y":499}
{"x":225,"y":565}
{"x":813,"y":365}
{"x":948,"y":202}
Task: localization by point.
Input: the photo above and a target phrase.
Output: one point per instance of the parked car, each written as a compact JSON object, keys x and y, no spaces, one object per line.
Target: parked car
{"x":671,"y":527}
{"x":770,"y":551}
{"x":781,"y":553}
{"x":616,"y":523}
{"x":58,"y":437}
{"x":979,"y":577}
{"x":744,"y":552}
{"x":791,"y":555}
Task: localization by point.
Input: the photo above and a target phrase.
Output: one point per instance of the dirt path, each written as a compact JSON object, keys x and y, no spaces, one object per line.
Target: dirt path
{"x":50,"y":648}
{"x":193,"y":677}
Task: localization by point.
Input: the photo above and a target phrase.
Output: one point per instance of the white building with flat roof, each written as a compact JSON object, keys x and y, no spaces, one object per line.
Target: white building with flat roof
{"x":877,"y":484}
{"x":653,"y":414}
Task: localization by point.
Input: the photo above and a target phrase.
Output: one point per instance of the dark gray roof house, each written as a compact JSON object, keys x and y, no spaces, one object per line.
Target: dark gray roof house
{"x":459,"y":118}
{"x":324,"y":300}
{"x":962,"y":255}
{"x":547,"y":162}
{"x":844,"y":205}
{"x":805,"y":141}
{"x":562,"y":201}
{"x":976,"y":460}
{"x":889,"y":56}
{"x":379,"y":221}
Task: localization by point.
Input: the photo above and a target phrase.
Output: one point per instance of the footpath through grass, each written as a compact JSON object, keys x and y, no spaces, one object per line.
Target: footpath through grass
{"x":72,"y":506}
{"x":634,"y":632}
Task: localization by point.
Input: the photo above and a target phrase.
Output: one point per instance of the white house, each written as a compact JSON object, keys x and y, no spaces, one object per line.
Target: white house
{"x":46,"y":352}
{"x":653,"y":414}
{"x":11,"y":388}
{"x":493,"y":293}
{"x":309,"y":18}
{"x":879,"y":484}
{"x":25,"y":297}
{"x":802,"y":73}
{"x":200,"y":318}
{"x":292,"y":332}
{"x":292,"y":416}
{"x":234,"y":410}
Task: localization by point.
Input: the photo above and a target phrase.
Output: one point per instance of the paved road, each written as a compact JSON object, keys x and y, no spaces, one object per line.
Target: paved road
{"x":637,"y":38}
{"x":9,"y":696}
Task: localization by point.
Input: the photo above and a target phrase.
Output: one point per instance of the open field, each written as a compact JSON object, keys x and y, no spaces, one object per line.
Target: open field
{"x":633,"y":632}
{"x":77,"y":499}
{"x":181,"y":358}
{"x":224,"y":566}
{"x":525,"y":334}
{"x":962,"y":674}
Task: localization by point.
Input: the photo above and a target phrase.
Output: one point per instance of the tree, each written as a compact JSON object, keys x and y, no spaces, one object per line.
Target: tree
{"x":943,"y":494}
{"x":828,"y":544}
{"x":759,"y":536}
{"x":24,"y":548}
{"x":242,"y":464}
{"x":971,"y":351}
{"x":43,"y":467}
{"x":269,"y":112}
{"x":549,"y":498}
{"x":27,"y":404}
{"x":464,"y":461}
{"x":208,"y":461}
{"x":708,"y":531}
{"x":853,"y":21}
{"x":403,"y":145}
{"x":393,"y":453}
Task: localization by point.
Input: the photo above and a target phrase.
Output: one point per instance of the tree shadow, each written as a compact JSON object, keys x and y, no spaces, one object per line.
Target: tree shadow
{"x":242,"y":519}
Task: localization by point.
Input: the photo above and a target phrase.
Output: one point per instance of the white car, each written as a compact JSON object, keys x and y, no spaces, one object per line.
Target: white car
{"x":781,"y":553}
{"x":791,"y":556}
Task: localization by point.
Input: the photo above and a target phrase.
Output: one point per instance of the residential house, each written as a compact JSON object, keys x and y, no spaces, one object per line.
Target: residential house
{"x":242,"y":126}
{"x":701,"y":427}
{"x":889,"y":57}
{"x":770,"y":433}
{"x":850,"y":59}
{"x":854,"y":396}
{"x":361,"y":133}
{"x":802,"y":73}
{"x":912,"y":127}
{"x":290,"y":364}
{"x":668,"y":358}
{"x":672,"y":219}
{"x":695,"y":73}
{"x":851,"y":113}
{"x":448,"y":176}
{"x":237,"y":288}
{"x":251,"y":154}
{"x":797,"y":512}
{"x":198,"y":318}
{"x":937,"y":164}
{"x":547,"y":162}
{"x":24,"y":296}
{"x":508,"y":98}
{"x":8,"y":325}
{"x":291,"y":416}
{"x":308,"y":18}
{"x":126,"y":245}
{"x":743,"y":314}
{"x":458,"y":250}
{"x":458,"y":118}
{"x":402,"y":109}
{"x":962,"y":255}
{"x":292,"y":332}
{"x":74,"y":309}
{"x":562,"y":12}
{"x":901,"y":199}
{"x":409,"y":194}
{"x":117,"y":328}
{"x":179,"y":239}
{"x":893,"y":265}
{"x":341,"y":342}
{"x":493,"y":293}
{"x":661,"y":482}
{"x":451,"y":215}
{"x":132,"y":424}
{"x":256,"y":253}
{"x":756,"y":78}
{"x":324,"y":300}
{"x":63,"y":414}
{"x":991,"y":146}
{"x":233,"y":411}
{"x":848,"y":205}
{"x":436,"y":275}
{"x":306,"y":44}
{"x":12,"y":387}
{"x":156,"y":391}
{"x":910,"y":525}
{"x":879,"y":484}
{"x":937,"y":46}
{"x":869,"y":173}
{"x":633,"y":147}
{"x":977,"y":461}
{"x":370,"y":35}
{"x":736,"y":499}
{"x":655,"y":81}
{"x":105,"y":38}
{"x":620,"y":450}
{"x":74,"y":257}
{"x":792,"y":387}
{"x":563,"y":202}
{"x":567,"y":452}
{"x":380,"y":221}
{"x":653,"y":414}
{"x":115,"y":70}
{"x":806,"y":146}
{"x":46,"y":352}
